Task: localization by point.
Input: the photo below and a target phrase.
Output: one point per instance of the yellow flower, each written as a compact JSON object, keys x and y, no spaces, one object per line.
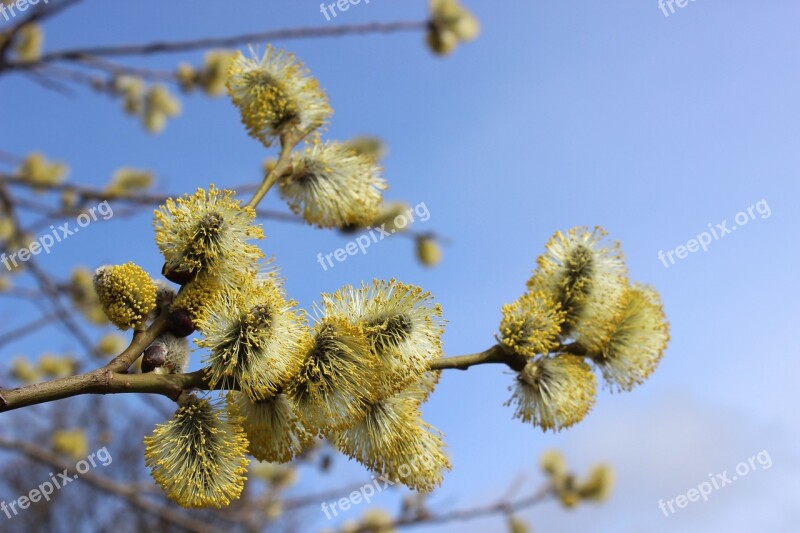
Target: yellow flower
{"x":403,"y":326}
{"x":554,"y":392}
{"x":55,"y":366}
{"x":332,"y":186}
{"x":129,"y":180}
{"x":376,"y":521}
{"x":638,"y":340}
{"x":426,"y":384}
{"x":531,"y":325}
{"x":587,"y":278}
{"x":132,"y":91}
{"x":197,"y":296}
{"x":598,"y":485}
{"x":187,"y":77}
{"x":429,"y":252}
{"x":208,"y":232}
{"x":255,"y":338}
{"x":198,"y":457}
{"x":158,"y":105}
{"x":28,"y":43}
{"x":388,"y":425}
{"x":24,"y":372}
{"x":553,"y":463}
{"x":126,"y":293}
{"x":337,"y":381}
{"x":273,"y":428}
{"x":517,"y":525}
{"x":214,"y":74}
{"x":450,"y":25}
{"x":276,"y":95}
{"x":40,"y":172}
{"x":110,"y":345}
{"x":419,"y":463}
{"x":392,"y":440}
{"x":71,"y":442}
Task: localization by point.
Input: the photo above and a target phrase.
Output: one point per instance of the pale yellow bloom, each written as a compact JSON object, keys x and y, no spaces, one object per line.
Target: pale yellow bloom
{"x":429,"y":252}
{"x":554,"y":392}
{"x":638,"y":340}
{"x":129,"y":180}
{"x":332,"y":186}
{"x":255,"y":338}
{"x":273,"y":428}
{"x":276,"y":95}
{"x":587,"y":278}
{"x":451,"y":24}
{"x":198,"y":457}
{"x":72,"y":443}
{"x":208,"y":232}
{"x":337,"y":382}
{"x":38,"y":171}
{"x":28,"y":43}
{"x":532,"y":324}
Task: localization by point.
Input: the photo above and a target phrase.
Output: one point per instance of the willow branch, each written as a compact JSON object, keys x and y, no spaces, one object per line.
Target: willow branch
{"x":226,"y":42}
{"x":141,"y":340}
{"x":131,"y":494}
{"x":111,"y":379}
{"x":495,"y":354}
{"x":500,"y":507}
{"x":288,"y":142}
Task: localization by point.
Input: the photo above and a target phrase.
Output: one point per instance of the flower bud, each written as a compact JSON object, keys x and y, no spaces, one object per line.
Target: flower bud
{"x":180,"y":323}
{"x":126,"y":293}
{"x":428,"y":251}
{"x":154,"y":357}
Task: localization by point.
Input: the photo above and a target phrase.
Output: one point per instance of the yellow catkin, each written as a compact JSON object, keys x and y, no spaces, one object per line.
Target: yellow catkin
{"x":126,"y":293}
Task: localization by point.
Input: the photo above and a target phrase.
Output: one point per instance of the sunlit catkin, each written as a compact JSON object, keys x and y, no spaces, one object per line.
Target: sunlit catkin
{"x":198,"y":457}
{"x":554,"y":392}
{"x":126,"y":293}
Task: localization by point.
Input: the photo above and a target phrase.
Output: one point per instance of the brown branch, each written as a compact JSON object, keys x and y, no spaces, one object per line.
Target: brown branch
{"x":225,"y":42}
{"x":111,"y":379}
{"x":102,"y":381}
{"x":499,"y":507}
{"x":130,"y":494}
{"x":141,"y":340}
{"x":495,"y":354}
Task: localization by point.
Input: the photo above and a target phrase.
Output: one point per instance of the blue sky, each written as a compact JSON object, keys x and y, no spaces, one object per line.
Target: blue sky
{"x":562,"y":114}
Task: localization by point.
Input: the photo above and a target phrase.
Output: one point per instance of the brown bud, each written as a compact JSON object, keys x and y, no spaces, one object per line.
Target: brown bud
{"x":181,"y":277}
{"x":154,"y":357}
{"x":180,"y":323}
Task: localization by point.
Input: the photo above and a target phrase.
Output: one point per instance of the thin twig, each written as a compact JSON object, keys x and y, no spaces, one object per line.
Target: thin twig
{"x":225,"y":42}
